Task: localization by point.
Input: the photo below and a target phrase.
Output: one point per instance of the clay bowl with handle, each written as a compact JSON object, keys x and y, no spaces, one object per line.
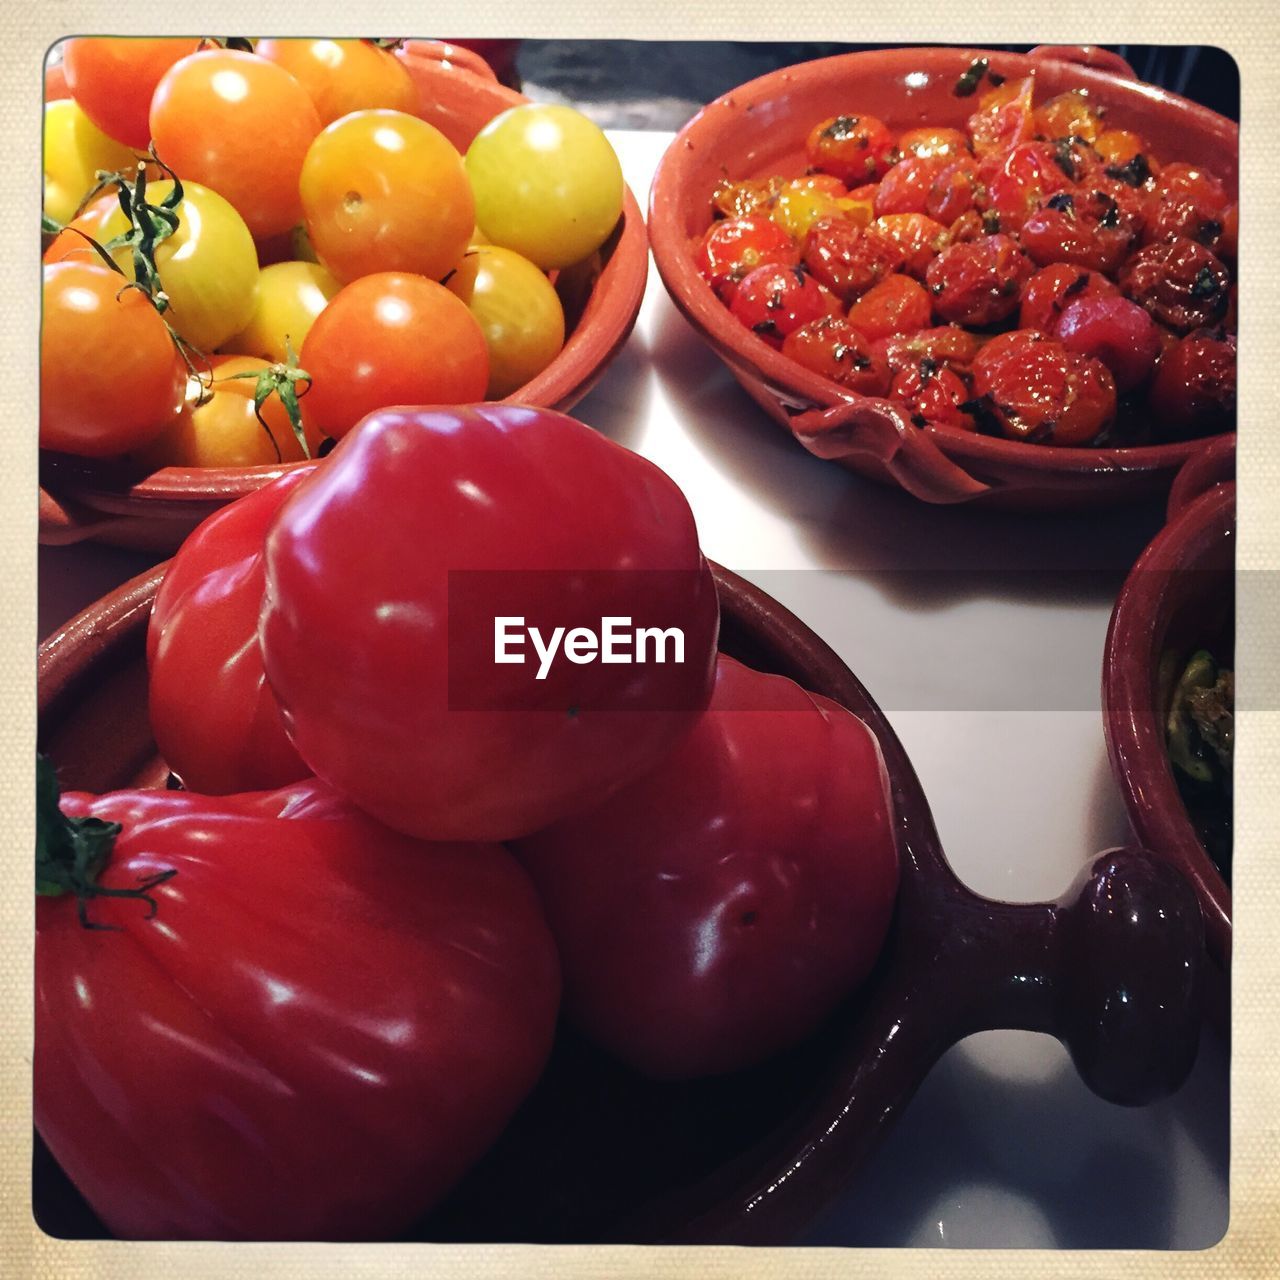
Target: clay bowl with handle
{"x":759,"y":129}
{"x":1179,"y":598}
{"x":84,"y":500}
{"x":1112,"y":969}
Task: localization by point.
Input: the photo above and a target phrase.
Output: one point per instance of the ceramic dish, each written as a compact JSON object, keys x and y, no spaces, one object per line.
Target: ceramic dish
{"x":598,"y":1153}
{"x":82,"y":500}
{"x":759,"y":129}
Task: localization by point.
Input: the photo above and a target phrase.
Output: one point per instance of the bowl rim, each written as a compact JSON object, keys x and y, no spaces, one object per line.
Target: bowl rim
{"x":746,"y":352}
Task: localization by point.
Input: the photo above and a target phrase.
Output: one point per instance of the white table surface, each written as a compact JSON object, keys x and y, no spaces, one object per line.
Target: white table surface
{"x":981,"y":636}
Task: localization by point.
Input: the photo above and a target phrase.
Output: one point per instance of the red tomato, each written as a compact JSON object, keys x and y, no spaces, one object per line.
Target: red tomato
{"x":952,"y":192}
{"x":948,"y":345}
{"x":857,"y":149}
{"x":734,"y":247}
{"x":1027,"y":176}
{"x":342,"y":76}
{"x":1069,"y":115}
{"x":774,"y":300}
{"x":832,"y":347}
{"x":1005,"y":117}
{"x":929,"y":141}
{"x":897,"y":304}
{"x":932,"y":393}
{"x":1063,"y":231}
{"x":978,"y":283}
{"x":1181,"y":283}
{"x":111,"y":378}
{"x":383,"y":655}
{"x":920,"y":238}
{"x":390,"y":339}
{"x":241,"y":125}
{"x":113,"y":79}
{"x":1117,"y":332}
{"x":847,"y":260}
{"x":322,"y":1026}
{"x":216,"y":722}
{"x":905,"y":188}
{"x":716,"y":911}
{"x":1053,"y":288}
{"x":1194,"y":391}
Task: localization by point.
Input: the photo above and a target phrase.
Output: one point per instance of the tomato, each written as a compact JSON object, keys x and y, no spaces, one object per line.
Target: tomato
{"x":932,"y":393}
{"x":921,"y":238}
{"x":946,"y":345}
{"x":208,"y":267}
{"x":386,"y":571}
{"x":832,"y":347}
{"x":385,"y":191}
{"x":111,"y":378}
{"x":849,"y":261}
{"x":113,"y":80}
{"x":1118,"y":332}
{"x":1027,"y":176}
{"x":1181,"y":283}
{"x":978,"y":283}
{"x":1118,"y":147}
{"x":952,"y":192}
{"x":736,"y":199}
{"x":905,"y":188}
{"x":547,"y":183}
{"x":1194,"y":392}
{"x":1062,"y":231}
{"x":74,"y":150}
{"x":215,"y":720}
{"x":929,"y":141}
{"x":342,"y":76}
{"x":732,"y":248}
{"x":287,"y":299}
{"x":796,"y":208}
{"x":897,"y":304}
{"x":855,"y":149}
{"x":519,"y":313}
{"x":224,"y":430}
{"x":1004,"y":118}
{"x":716,"y":911}
{"x":318,"y":1029}
{"x":390,"y":339}
{"x":1069,"y":115}
{"x":241,"y":125}
{"x":1054,"y":288}
{"x":774,"y":301}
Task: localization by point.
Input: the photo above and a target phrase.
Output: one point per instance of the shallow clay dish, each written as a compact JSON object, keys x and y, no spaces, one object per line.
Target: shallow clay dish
{"x":1180,"y":596}
{"x":759,"y":129}
{"x":600,"y":1154}
{"x":81,"y":500}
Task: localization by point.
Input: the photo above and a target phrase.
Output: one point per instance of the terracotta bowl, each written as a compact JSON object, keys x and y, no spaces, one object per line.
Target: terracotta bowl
{"x":760,"y":128}
{"x":81,"y":499}
{"x":600,"y":1154}
{"x":1180,"y":596}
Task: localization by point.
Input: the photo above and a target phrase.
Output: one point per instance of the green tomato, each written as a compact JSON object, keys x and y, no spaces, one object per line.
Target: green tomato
{"x":518,"y":311}
{"x":546,"y":183}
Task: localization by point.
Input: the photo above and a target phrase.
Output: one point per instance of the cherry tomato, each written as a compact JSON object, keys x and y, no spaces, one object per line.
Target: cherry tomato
{"x":796,"y":208}
{"x":208,"y":267}
{"x":287,"y":299}
{"x":774,"y":301}
{"x":848,"y":261}
{"x":390,"y":339}
{"x":74,"y":150}
{"x":1061,"y":231}
{"x":1117,"y":332}
{"x":920,"y":238}
{"x":932,"y":393}
{"x":241,"y":125}
{"x":832,"y":347}
{"x":952,"y":192}
{"x":519,"y":313}
{"x":110,"y":376}
{"x":897,"y":304}
{"x":547,"y":183}
{"x":1028,"y":175}
{"x":1194,"y":391}
{"x":947,"y":345}
{"x":1069,"y":115}
{"x":1181,"y":283}
{"x":978,"y":283}
{"x":385,"y":191}
{"x":1187,"y":202}
{"x":342,"y":76}
{"x":1004,"y":118}
{"x":716,"y":911}
{"x":1053,"y":288}
{"x":1118,"y":147}
{"x":736,"y":199}
{"x":856,"y":149}
{"x":929,"y":141}
{"x":735,"y":247}
{"x":114,"y":78}
{"x":1004,"y":346}
{"x":223,"y":429}
{"x":905,"y":188}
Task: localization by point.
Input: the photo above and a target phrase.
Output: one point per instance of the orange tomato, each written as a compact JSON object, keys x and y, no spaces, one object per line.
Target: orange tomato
{"x":343,"y":76}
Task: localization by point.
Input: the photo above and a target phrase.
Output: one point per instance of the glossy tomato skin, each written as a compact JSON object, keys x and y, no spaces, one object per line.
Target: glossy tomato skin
{"x":774,"y":301}
{"x":321,"y":1028}
{"x":855,"y":149}
{"x":387,"y":675}
{"x":342,"y":76}
{"x":734,"y":247}
{"x":287,"y":298}
{"x":832,"y":347}
{"x":714,"y":912}
{"x":979,"y":282}
{"x":75,"y":149}
{"x":1181,"y":283}
{"x":849,"y":260}
{"x":1118,"y":332}
{"x":1194,"y":390}
{"x":1054,"y":288}
{"x":898,"y":304}
{"x":933,"y":393}
{"x":215,"y":719}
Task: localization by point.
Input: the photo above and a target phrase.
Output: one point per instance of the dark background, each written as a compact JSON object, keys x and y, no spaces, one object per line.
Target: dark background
{"x":659,"y":84}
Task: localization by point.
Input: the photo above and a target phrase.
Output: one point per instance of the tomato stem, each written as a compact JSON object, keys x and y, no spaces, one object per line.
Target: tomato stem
{"x":71,"y":852}
{"x":280,"y":380}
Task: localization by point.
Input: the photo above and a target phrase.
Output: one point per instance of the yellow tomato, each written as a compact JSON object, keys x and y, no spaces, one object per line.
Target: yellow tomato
{"x":74,"y":150}
{"x":795,"y":210}
{"x":288,"y":297}
{"x":518,"y":311}
{"x":208,"y":267}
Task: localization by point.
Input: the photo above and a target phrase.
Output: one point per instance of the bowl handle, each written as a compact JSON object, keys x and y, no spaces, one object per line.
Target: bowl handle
{"x":1207,"y":468}
{"x":877,"y":430}
{"x":452,"y":56}
{"x":1085,"y":55}
{"x":63,"y":523}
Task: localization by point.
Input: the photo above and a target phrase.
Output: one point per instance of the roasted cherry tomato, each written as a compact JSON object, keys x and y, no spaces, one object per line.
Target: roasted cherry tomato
{"x":1052,"y":289}
{"x":287,"y":299}
{"x":274,"y":959}
{"x":932,"y":393}
{"x":952,"y":192}
{"x":736,"y":199}
{"x":1004,"y":118}
{"x":832,"y":347}
{"x":921,"y":238}
{"x":796,"y":208}
{"x":734,"y":247}
{"x":1116,"y":331}
{"x":1195,"y":385}
{"x":241,"y":125}
{"x":1069,"y":115}
{"x":856,"y":149}
{"x":848,"y":261}
{"x":1026,"y":178}
{"x":774,"y":301}
{"x":342,"y":76}
{"x":898,"y":304}
{"x":1118,"y":147}
{"x":929,"y":141}
{"x":387,"y":570}
{"x":390,"y":339}
{"x":947,"y":345}
{"x":1183,"y":284}
{"x":385,"y":191}
{"x":979,"y":283}
{"x":111,"y":378}
{"x":905,"y":188}
{"x":716,"y":911}
{"x":1063,"y":231}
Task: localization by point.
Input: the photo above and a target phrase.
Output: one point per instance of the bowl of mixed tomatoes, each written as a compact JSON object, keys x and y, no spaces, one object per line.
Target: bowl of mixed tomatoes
{"x":250,"y":245}
{"x":981,"y":276}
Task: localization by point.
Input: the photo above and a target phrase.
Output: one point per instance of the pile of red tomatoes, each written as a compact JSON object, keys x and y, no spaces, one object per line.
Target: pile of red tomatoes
{"x":1039,"y":276}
